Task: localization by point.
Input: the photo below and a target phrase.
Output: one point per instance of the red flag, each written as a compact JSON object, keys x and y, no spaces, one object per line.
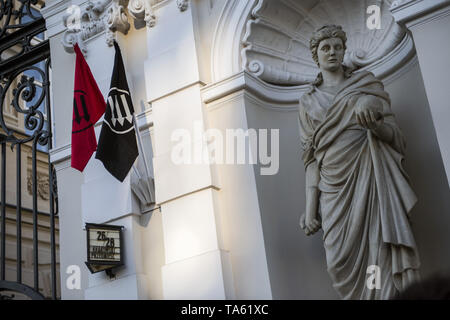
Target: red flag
{"x":88,"y":107}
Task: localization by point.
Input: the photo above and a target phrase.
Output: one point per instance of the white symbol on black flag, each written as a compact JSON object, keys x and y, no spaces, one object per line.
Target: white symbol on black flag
{"x":117,"y":147}
{"x":120,"y":117}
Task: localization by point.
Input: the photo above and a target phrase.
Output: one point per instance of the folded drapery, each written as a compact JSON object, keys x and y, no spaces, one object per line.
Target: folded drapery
{"x":365,"y":196}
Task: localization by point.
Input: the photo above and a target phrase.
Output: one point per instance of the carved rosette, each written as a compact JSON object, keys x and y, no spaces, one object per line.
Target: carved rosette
{"x":276,"y":40}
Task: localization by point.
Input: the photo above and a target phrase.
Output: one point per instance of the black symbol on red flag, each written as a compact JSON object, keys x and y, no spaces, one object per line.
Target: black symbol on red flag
{"x":81,"y":98}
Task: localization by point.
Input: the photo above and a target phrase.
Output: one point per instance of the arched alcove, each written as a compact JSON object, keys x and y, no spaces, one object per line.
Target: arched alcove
{"x":270,"y":38}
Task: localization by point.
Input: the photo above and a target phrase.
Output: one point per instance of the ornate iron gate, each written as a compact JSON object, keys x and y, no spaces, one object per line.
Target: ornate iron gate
{"x":25,"y":120}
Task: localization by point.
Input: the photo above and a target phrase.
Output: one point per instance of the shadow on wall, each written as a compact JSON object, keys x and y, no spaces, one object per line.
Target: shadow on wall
{"x":423,"y":162}
{"x":296,"y":262}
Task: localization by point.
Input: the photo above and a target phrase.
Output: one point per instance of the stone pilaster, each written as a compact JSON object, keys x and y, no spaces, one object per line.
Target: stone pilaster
{"x":429,"y":23}
{"x":197,"y":261}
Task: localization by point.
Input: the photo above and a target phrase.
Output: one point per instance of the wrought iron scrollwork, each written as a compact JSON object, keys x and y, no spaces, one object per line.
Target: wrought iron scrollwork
{"x":13,"y":17}
{"x":25,"y":35}
{"x":25,"y":91}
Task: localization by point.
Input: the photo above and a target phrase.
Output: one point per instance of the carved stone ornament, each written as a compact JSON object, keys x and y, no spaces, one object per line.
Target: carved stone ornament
{"x":142,"y":12}
{"x":276,"y":40}
{"x":116,"y":20}
{"x":108,"y":16}
{"x":42,"y":185}
{"x":96,"y":17}
{"x":182,"y":4}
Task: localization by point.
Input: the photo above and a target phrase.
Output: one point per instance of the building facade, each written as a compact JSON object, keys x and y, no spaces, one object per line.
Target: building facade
{"x":229,"y":230}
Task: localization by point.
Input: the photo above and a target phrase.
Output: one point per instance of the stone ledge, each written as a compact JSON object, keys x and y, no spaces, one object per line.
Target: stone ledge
{"x":410,"y":12}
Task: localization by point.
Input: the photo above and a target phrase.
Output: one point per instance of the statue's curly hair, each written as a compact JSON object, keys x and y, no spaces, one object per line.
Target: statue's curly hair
{"x":326,"y":32}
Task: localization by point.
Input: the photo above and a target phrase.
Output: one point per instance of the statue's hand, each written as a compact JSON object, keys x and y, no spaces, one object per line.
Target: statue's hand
{"x":368,"y":112}
{"x":310,"y":225}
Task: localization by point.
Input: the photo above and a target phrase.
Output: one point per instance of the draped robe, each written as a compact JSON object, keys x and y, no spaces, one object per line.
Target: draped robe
{"x":365,"y":196}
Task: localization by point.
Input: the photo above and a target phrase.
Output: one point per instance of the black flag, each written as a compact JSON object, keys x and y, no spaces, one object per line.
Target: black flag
{"x":117,"y":147}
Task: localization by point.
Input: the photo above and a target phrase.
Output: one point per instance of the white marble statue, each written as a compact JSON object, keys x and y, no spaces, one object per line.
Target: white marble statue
{"x":356,"y":188}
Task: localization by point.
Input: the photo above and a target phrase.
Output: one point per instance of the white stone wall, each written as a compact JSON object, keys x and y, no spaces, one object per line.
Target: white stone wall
{"x":94,"y":196}
{"x":222,"y":231}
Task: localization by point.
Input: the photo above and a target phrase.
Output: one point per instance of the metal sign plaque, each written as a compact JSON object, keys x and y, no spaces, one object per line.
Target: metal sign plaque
{"x":104,"y":246}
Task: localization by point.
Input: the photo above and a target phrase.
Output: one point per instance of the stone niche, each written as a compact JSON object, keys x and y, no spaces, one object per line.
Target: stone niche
{"x":273,"y":55}
{"x":276,"y":40}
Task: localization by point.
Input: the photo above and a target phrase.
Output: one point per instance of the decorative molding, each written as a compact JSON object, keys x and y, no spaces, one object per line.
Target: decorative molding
{"x":276,"y":39}
{"x":412,"y":12}
{"x":182,"y":5}
{"x":173,"y":91}
{"x":282,"y":97}
{"x":52,"y":13}
{"x":226,"y":45}
{"x":108,"y":16}
{"x":399,"y":3}
{"x":42,"y":185}
{"x":63,"y":165}
{"x":389,"y":64}
{"x":116,"y":20}
{"x":142,"y":13}
{"x":60,"y":154}
{"x":144,"y":120}
{"x":285,"y":98}
{"x":86,"y":24}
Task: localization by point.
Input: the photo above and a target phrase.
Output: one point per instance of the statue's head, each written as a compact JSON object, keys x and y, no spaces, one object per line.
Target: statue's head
{"x":328,"y":46}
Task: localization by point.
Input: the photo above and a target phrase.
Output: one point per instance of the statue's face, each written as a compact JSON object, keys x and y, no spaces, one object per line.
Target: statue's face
{"x":330,"y":54}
